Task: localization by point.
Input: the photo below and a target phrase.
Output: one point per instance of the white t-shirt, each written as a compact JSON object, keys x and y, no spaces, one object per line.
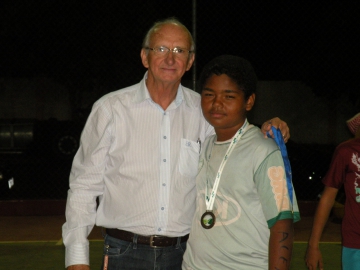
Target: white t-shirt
{"x":251,"y":197}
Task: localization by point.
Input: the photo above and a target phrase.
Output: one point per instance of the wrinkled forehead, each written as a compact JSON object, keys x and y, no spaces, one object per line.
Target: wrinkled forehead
{"x":171,"y":34}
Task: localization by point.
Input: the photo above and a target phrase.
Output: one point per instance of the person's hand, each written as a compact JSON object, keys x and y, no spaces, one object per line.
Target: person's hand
{"x":279,"y":124}
{"x":313,"y":258}
{"x":78,"y":267}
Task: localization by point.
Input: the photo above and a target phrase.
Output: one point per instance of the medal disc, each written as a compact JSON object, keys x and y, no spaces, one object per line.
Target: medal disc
{"x":207,"y":220}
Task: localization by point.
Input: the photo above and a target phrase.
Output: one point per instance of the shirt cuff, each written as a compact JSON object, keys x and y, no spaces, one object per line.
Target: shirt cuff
{"x":77,"y":254}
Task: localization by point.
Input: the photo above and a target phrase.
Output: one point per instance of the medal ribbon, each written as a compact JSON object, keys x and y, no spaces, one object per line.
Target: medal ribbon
{"x":210,"y":200}
{"x":280,"y":142}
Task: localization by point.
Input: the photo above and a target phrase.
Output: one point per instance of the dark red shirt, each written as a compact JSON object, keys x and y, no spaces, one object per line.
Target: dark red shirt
{"x":345,"y":171}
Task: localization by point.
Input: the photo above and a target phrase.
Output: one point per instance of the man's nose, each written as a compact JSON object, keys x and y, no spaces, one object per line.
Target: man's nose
{"x":170,"y":55}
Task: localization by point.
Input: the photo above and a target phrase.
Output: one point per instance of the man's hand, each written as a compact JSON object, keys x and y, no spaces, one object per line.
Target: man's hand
{"x":78,"y":267}
{"x":313,"y":258}
{"x":279,"y":124}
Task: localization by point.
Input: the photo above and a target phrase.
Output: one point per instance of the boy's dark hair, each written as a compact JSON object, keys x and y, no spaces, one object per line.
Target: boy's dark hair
{"x":237,"y":68}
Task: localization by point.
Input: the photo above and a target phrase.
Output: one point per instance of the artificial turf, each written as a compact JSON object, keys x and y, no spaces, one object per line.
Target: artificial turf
{"x":50,"y":255}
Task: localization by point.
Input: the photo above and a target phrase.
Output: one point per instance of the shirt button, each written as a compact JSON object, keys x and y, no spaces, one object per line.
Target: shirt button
{"x":162,"y":208}
{"x":164,"y":160}
{"x":159,"y":229}
{"x":164,"y":184}
{"x":164,"y":137}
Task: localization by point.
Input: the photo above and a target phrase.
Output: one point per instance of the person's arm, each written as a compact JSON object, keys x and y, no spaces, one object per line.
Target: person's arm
{"x":313,"y":256}
{"x":86,"y":184}
{"x":79,"y":267}
{"x":277,"y":123}
{"x":281,"y":244}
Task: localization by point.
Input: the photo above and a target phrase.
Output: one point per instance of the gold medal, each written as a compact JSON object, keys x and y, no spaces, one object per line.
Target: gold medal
{"x":207,"y":220}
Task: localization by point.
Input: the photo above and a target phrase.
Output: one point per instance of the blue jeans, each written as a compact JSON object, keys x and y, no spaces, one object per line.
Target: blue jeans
{"x":130,"y":255}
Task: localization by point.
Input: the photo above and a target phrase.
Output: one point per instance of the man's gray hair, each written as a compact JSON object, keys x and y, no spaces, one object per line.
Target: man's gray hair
{"x":159,"y":24}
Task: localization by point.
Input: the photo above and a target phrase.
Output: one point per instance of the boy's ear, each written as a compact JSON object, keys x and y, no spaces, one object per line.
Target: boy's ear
{"x":250,"y":102}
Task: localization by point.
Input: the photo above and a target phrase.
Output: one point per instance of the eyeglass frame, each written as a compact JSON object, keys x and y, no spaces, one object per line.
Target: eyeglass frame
{"x":168,"y":50}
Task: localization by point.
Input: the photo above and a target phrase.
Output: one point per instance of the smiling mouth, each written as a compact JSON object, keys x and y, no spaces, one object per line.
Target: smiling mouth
{"x":217,"y":114}
{"x":169,"y":68}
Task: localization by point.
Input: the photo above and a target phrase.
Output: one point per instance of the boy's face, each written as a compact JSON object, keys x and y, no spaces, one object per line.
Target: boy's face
{"x":224,"y":106}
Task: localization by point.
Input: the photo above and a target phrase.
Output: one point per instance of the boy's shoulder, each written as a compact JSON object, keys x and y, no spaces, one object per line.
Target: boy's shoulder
{"x":210,"y":139}
{"x":253,"y":141}
{"x":256,"y":138}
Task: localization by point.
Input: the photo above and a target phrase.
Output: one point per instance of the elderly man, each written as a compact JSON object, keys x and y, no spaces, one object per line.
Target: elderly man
{"x":139,"y":155}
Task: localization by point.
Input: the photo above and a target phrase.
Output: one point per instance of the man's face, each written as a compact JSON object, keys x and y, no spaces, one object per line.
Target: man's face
{"x":224,"y":106}
{"x":168,"y":68}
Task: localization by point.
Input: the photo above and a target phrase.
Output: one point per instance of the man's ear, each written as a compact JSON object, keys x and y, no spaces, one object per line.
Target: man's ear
{"x":144,"y":58}
{"x":190,"y":61}
{"x":250,"y":102}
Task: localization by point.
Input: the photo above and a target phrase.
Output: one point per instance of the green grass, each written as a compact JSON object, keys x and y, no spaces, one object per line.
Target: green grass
{"x":50,"y":255}
{"x":331,"y":256}
{"x":42,"y":255}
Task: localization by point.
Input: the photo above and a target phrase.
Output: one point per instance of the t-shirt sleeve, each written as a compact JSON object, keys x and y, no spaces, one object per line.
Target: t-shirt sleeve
{"x":270,"y":182}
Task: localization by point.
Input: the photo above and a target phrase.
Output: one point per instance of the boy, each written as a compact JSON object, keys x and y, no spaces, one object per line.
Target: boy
{"x":244,"y":217}
{"x":344,"y":172}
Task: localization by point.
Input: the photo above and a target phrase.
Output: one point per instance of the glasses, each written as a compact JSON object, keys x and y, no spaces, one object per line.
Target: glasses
{"x":178,"y":52}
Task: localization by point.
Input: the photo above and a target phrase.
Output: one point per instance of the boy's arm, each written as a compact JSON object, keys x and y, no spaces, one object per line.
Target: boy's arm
{"x":281,"y":244}
{"x":313,"y":254}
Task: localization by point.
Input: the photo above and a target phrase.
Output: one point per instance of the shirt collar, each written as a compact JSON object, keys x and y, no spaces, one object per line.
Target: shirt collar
{"x":143,"y":94}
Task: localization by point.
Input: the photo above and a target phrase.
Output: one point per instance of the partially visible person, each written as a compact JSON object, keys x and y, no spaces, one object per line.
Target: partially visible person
{"x":139,"y":156}
{"x":344,"y":172}
{"x":244,"y":214}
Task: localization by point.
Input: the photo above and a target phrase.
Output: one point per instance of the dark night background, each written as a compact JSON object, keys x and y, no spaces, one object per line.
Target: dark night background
{"x":81,"y":40}
{"x":94,"y":47}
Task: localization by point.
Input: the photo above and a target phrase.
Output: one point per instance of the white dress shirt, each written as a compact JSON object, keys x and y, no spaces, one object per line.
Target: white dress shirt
{"x":141,"y":161}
